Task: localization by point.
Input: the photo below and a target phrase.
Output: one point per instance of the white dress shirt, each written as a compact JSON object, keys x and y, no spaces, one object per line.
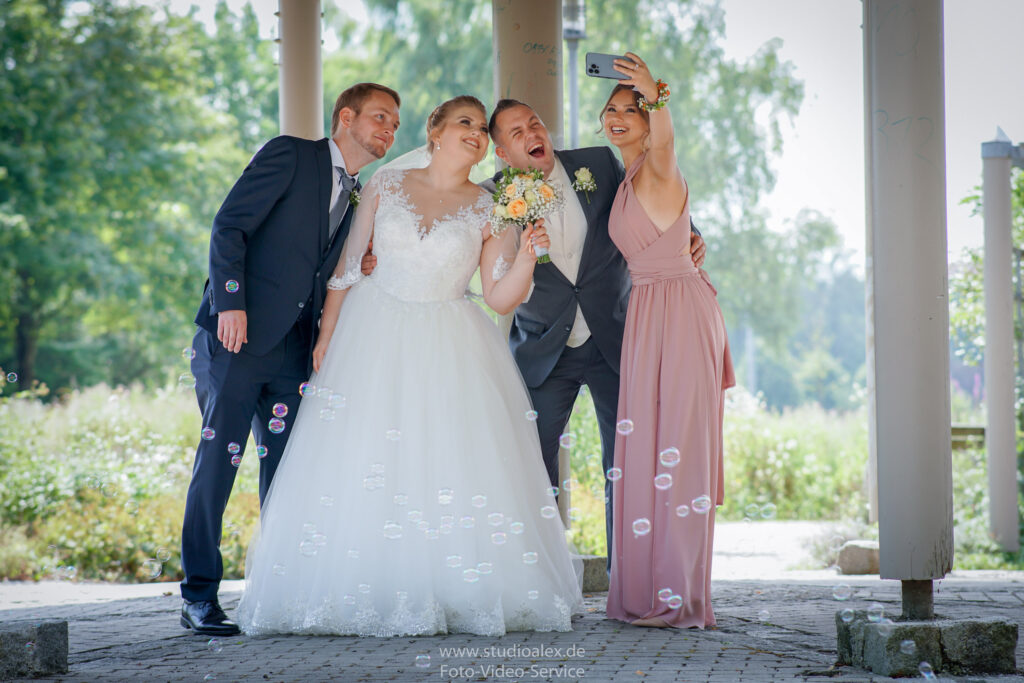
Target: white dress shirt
{"x":568,"y":231}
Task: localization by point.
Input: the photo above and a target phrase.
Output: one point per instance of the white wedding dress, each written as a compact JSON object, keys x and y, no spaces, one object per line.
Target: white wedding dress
{"x":411,"y":498}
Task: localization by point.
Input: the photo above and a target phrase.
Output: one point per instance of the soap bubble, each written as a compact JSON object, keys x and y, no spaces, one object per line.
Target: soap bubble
{"x":669,"y":457}
{"x":307,"y":547}
{"x":231,"y":286}
{"x":393,"y":435}
{"x":531,"y":415}
{"x":533,"y":595}
{"x":624,"y":427}
{"x":641,"y":527}
{"x":614,"y":474}
{"x":280,"y":409}
{"x":423,"y":661}
{"x":926,"y":670}
{"x":908,"y":647}
{"x":885,"y":627}
{"x":752,"y":510}
{"x":768,"y":511}
{"x":846,"y":615}
{"x":516,"y":527}
{"x":401,"y":499}
{"x":664,"y":594}
{"x":208,"y":434}
{"x":530,"y":558}
{"x":663,"y":482}
{"x":163,"y":554}
{"x":187,"y":381}
{"x":467,"y":522}
{"x":484,"y":568}
{"x":279,"y":569}
{"x":498,"y":538}
{"x":445,"y":496}
{"x":236,"y":460}
{"x":675,"y":601}
{"x":306,"y":388}
{"x":701,"y":504}
{"x":233,"y":448}
{"x":152,"y":568}
{"x":875,"y":612}
{"x":470,"y":575}
{"x":682,"y":510}
{"x":214,"y":645}
{"x":454,"y":561}
{"x":478,"y":501}
{"x":276,"y":425}
{"x":188,"y":353}
{"x":392,"y":531}
{"x":349,"y":599}
{"x":261,"y":451}
{"x":764,"y":615}
{"x":364,"y":588}
{"x":567,"y":440}
{"x":328,"y":414}
{"x":842,"y":591}
{"x":496,"y":519}
{"x":548,"y":511}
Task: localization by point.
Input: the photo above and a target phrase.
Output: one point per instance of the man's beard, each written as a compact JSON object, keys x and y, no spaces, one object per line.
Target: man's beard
{"x":367,"y":143}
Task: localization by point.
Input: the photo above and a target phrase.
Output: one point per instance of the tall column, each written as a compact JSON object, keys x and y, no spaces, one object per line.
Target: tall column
{"x":528,"y":57}
{"x":909,"y":311}
{"x":528,"y":67}
{"x":301,"y":83}
{"x":1000,"y":429}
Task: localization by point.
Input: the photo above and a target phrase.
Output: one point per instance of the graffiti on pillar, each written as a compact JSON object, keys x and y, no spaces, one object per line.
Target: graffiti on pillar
{"x":915,"y":132}
{"x":897,"y":16}
{"x":531,"y":48}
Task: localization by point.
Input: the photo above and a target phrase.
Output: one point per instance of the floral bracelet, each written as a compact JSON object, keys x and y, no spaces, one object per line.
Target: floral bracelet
{"x":663,"y":93}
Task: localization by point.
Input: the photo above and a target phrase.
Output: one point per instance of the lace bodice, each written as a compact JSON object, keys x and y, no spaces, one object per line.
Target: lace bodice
{"x":415,"y":262}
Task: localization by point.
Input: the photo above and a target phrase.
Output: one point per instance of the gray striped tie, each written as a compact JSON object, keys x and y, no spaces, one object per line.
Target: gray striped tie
{"x":340,"y":206}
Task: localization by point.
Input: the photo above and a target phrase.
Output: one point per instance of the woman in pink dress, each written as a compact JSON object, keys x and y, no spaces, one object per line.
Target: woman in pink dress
{"x":675,"y":369}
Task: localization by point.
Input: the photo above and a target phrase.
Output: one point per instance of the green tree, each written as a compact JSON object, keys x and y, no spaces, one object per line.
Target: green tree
{"x":118,"y":137}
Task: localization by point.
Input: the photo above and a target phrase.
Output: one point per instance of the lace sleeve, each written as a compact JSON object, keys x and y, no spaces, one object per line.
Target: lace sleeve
{"x":349,"y":268}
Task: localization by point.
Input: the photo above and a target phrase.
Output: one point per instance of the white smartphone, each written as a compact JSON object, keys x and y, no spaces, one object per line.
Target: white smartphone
{"x":600,"y":65}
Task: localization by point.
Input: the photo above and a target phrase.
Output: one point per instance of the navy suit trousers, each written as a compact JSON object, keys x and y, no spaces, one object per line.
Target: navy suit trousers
{"x":236,"y":392}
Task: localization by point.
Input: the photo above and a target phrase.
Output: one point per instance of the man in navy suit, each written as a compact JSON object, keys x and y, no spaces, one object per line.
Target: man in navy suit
{"x":275,"y":242}
{"x":569,"y":330}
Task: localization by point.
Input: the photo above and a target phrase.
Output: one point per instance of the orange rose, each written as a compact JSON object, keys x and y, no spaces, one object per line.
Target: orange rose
{"x":510,"y":191}
{"x":517,"y":208}
{"x":546,"y":192}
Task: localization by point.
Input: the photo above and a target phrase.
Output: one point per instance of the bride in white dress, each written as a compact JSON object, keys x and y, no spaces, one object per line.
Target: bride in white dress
{"x":412,"y":498}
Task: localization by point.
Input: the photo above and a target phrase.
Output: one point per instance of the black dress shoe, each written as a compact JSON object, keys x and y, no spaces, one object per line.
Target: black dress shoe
{"x":207,"y":618}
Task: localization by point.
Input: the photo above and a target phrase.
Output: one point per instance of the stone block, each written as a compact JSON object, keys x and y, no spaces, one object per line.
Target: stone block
{"x":858,"y":557}
{"x":958,"y":647}
{"x":595,"y":573}
{"x":980,"y":646}
{"x":33,"y":649}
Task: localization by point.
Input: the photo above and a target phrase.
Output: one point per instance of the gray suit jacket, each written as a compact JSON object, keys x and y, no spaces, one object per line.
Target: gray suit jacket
{"x":541,"y":326}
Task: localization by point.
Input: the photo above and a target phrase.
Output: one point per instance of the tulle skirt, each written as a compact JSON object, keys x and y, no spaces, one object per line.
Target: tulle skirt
{"x":411,"y":498}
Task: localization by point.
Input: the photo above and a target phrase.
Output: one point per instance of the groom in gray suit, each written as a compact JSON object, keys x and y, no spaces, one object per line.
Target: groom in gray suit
{"x":569,"y":330}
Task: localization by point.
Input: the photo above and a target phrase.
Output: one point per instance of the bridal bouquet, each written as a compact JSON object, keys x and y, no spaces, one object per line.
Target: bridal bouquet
{"x":521,"y":197}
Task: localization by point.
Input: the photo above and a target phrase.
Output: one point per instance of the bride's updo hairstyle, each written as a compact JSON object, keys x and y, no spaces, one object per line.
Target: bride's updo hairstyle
{"x":439,"y":117}
{"x":636,"y":99}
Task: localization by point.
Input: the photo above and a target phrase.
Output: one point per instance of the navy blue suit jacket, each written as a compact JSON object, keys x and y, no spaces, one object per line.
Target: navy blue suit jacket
{"x":269,"y":250}
{"x":541,"y":325}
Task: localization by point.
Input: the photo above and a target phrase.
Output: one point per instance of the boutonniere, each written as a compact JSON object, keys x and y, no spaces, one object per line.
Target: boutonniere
{"x":354,"y":198}
{"x":585,"y":182}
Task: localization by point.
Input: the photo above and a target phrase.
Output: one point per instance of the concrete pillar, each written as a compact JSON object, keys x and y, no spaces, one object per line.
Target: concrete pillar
{"x":909,"y":311}
{"x":528,"y":67}
{"x":528,"y":57}
{"x":301,"y":83}
{"x":1000,"y":429}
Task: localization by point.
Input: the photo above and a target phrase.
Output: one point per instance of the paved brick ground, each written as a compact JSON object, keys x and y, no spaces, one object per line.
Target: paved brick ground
{"x":139,"y":639}
{"x":777,"y":628}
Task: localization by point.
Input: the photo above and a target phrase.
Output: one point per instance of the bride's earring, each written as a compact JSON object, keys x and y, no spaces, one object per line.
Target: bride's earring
{"x":437,"y":146}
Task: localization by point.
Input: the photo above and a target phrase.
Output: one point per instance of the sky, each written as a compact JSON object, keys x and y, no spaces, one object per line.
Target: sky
{"x":822,"y":163}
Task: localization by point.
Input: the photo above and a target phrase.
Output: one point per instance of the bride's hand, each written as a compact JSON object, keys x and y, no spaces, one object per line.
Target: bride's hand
{"x":637,"y":75}
{"x":320,"y":350}
{"x":535,"y":235}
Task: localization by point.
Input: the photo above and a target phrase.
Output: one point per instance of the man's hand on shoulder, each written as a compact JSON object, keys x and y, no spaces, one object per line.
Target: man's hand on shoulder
{"x":698,"y":250}
{"x":231,"y":330}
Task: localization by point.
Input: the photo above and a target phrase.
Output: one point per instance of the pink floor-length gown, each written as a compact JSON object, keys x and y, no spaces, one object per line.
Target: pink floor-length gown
{"x":675,"y":369}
